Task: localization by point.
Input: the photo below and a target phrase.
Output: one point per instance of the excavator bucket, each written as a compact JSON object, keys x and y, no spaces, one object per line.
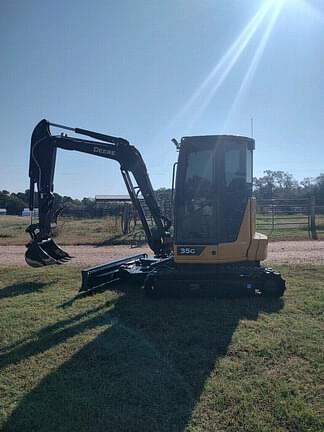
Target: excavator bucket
{"x":45,"y":252}
{"x":53,"y":250}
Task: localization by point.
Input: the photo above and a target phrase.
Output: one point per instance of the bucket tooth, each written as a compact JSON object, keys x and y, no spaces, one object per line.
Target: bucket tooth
{"x":54,"y":251}
{"x":36,"y":256}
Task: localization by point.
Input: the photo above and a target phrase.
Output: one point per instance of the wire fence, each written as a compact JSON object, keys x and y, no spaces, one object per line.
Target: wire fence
{"x":291,"y":218}
{"x":279,"y":219}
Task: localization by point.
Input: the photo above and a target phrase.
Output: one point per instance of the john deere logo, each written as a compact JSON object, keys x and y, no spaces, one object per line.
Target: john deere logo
{"x":102,"y":150}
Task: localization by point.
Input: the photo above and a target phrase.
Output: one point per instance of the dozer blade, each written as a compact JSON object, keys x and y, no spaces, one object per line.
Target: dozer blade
{"x":94,"y":278}
{"x":45,"y":253}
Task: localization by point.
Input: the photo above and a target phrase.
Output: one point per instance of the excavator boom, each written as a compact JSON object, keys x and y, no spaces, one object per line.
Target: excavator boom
{"x":42,"y":250}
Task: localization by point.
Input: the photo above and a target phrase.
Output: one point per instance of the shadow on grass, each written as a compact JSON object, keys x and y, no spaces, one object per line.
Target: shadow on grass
{"x":51,"y":336}
{"x":21,"y":289}
{"x":146,"y":372}
{"x":112,"y":241}
{"x":123,"y":239}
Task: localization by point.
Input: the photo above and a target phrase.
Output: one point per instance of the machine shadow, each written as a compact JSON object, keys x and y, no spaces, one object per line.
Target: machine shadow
{"x":146,"y":372}
{"x":119,"y":239}
{"x":21,"y":289}
{"x":52,"y":335}
{"x":111,"y":241}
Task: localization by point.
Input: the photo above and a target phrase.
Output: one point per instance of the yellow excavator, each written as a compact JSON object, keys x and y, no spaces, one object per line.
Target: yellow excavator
{"x":214,"y":248}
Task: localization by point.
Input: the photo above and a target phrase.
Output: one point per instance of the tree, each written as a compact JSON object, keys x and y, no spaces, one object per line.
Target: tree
{"x":15,"y":205}
{"x":319,"y":188}
{"x":4,"y":196}
{"x":275,"y":184}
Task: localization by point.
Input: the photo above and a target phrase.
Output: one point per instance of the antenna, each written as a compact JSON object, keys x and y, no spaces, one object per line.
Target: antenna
{"x":252,"y":127}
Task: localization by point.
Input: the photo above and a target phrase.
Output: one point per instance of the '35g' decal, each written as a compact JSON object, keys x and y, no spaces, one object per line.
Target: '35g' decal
{"x":189,"y":250}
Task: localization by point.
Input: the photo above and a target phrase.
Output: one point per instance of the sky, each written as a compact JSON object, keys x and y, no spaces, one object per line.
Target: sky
{"x":150,"y":71}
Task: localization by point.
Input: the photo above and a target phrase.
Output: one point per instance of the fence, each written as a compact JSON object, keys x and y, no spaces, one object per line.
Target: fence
{"x":279,"y":219}
{"x":291,"y":218}
{"x":319,"y":219}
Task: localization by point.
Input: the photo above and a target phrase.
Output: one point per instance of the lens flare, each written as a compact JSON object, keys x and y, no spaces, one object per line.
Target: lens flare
{"x":224,"y":66}
{"x":256,"y":57}
{"x":311,"y":10}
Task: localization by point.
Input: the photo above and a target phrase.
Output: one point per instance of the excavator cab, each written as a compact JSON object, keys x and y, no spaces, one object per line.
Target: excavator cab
{"x":214,"y":178}
{"x":214,"y":209}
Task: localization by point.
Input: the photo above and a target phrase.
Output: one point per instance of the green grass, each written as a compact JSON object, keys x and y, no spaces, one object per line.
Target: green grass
{"x":117,"y":361}
{"x":12,"y":230}
{"x":288,"y":227}
{"x":107,"y":230}
{"x":70,"y":231}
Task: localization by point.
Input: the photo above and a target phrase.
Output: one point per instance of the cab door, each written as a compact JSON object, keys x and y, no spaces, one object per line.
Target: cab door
{"x":197,"y":193}
{"x":235,"y":188}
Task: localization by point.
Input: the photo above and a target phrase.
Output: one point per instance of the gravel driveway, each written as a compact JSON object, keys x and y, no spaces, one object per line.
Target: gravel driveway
{"x":286,"y":252}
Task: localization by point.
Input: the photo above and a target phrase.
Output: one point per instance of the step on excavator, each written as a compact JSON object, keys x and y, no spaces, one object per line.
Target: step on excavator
{"x":214,"y":248}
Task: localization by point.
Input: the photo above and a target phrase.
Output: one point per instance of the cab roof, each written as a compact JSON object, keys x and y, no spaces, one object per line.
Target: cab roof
{"x":216,"y":139}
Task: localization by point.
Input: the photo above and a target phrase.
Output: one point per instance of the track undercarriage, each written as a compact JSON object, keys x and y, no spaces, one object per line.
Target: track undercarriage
{"x":162,"y":277}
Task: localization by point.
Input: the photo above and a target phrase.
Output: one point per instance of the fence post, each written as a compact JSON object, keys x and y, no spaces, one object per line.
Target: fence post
{"x":312,"y":215}
{"x":272,"y":216}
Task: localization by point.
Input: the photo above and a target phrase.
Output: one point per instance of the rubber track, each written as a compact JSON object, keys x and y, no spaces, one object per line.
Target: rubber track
{"x":225,"y":281}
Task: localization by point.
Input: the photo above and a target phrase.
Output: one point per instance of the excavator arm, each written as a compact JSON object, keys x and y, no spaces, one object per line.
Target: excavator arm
{"x":42,"y":250}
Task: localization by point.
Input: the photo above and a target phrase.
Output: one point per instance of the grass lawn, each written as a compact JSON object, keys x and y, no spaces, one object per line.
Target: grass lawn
{"x":70,"y":231}
{"x":288,"y":227}
{"x":117,"y":361}
{"x":107,"y":230}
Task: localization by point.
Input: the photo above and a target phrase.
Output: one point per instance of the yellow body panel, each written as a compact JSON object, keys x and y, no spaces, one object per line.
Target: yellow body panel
{"x":249,"y":246}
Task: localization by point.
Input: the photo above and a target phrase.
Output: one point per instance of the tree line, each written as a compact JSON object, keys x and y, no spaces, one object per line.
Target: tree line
{"x":280,"y":184}
{"x":272,"y":185}
{"x":15,"y":203}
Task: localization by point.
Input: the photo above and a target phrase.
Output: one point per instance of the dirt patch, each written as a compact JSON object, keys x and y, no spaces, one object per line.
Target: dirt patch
{"x":83,"y":255}
{"x":296,"y":252}
{"x":284,"y":252}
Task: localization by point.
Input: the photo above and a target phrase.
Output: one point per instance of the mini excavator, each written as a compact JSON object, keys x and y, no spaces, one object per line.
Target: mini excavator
{"x":214,"y":249}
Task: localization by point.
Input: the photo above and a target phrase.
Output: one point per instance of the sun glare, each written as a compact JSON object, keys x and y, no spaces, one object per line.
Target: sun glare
{"x":221,"y":70}
{"x":264,"y":21}
{"x":311,"y":10}
{"x":257,"y":55}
